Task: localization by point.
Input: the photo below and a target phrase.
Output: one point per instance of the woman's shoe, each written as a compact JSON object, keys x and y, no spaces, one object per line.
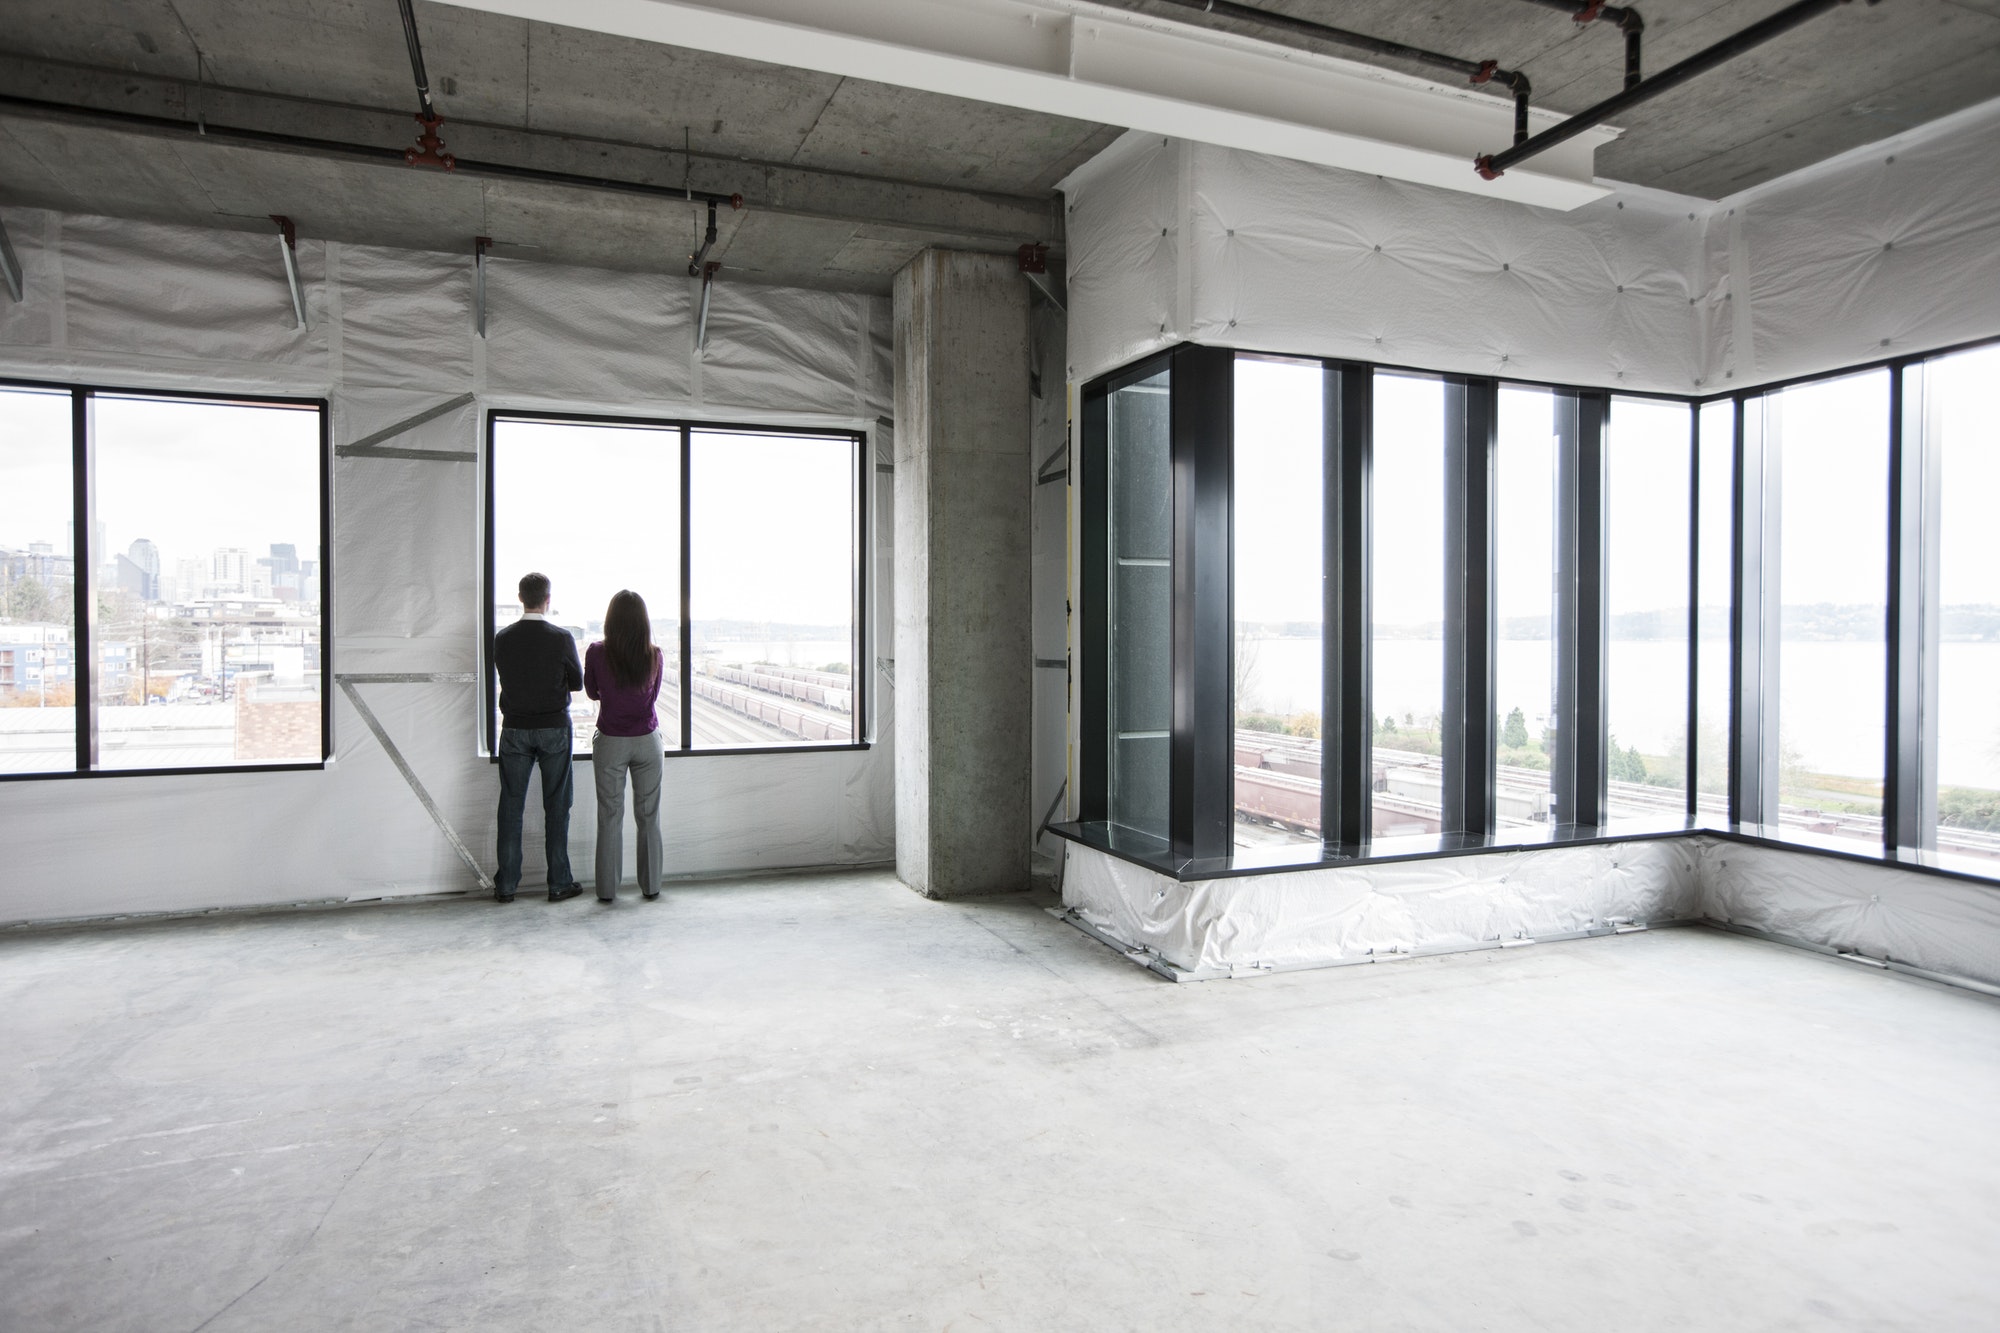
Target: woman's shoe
{"x":651,"y":896}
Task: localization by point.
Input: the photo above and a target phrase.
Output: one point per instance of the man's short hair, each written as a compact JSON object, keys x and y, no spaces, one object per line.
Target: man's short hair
{"x":534,"y":590}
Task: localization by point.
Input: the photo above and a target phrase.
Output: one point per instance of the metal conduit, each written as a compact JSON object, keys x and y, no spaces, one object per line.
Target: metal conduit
{"x":1626,"y":19}
{"x":425,"y":109}
{"x":1491,"y":165}
{"x":169,"y":126}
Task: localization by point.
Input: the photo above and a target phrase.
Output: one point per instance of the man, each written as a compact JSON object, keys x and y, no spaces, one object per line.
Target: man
{"x":538,"y":670}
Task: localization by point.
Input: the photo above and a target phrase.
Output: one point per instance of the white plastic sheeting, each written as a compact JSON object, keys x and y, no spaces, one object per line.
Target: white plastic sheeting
{"x":1321,"y":917}
{"x":390,"y":333}
{"x":1932,"y":922}
{"x":1891,"y":248}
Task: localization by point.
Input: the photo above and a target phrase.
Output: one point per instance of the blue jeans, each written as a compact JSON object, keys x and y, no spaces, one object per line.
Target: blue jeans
{"x":521,"y":750}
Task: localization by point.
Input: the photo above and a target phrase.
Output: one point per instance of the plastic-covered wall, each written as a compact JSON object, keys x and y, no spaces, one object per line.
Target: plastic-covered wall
{"x":1887,"y":249}
{"x":390,"y":333}
{"x":1317,"y":918}
{"x":1931,"y":922}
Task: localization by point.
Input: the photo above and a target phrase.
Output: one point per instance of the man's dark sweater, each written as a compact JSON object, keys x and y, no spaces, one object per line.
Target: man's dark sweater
{"x":538,"y":672}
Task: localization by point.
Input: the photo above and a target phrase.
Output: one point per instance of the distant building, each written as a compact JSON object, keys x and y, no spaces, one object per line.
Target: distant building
{"x":229,"y":571}
{"x":139,"y":570}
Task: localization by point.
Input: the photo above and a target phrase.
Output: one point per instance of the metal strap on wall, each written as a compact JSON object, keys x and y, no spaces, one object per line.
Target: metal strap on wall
{"x":370,"y":446}
{"x":10,"y":266}
{"x":347,"y":684}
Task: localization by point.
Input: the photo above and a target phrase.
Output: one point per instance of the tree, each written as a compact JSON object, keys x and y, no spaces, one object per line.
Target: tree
{"x":1514,"y":735}
{"x":29,"y":599}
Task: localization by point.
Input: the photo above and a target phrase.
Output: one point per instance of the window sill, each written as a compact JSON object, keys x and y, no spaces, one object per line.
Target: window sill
{"x":1151,"y":853}
{"x":211,"y":770}
{"x":583,"y":756}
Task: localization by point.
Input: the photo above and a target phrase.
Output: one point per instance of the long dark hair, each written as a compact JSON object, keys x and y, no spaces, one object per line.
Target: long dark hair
{"x":628,"y":640}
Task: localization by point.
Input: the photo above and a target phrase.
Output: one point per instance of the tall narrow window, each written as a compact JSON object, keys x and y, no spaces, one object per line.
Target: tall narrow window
{"x":206,"y":546}
{"x":1407,"y":630}
{"x":1716,"y":547}
{"x":773,"y":563}
{"x":1964,"y":389}
{"x":620,"y":484}
{"x":1279,"y":599}
{"x":1139,"y":538}
{"x":38,"y":668}
{"x":1524,"y":589}
{"x":1833,"y":438}
{"x":1646,"y":583}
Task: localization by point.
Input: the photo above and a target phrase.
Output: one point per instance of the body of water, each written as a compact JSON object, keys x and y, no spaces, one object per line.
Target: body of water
{"x":1830,"y":706}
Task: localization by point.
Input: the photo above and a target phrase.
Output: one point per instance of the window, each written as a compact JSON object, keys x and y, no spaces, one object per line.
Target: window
{"x":744,"y":543}
{"x":1407,"y":633}
{"x":1647,"y":512}
{"x":38,"y":675}
{"x":596,"y":506}
{"x":1832,"y":439}
{"x":203,"y":567}
{"x":1524,"y":580}
{"x":1277,"y":564}
{"x":1966,"y":434}
{"x":774,"y":647}
{"x":1714,"y":508}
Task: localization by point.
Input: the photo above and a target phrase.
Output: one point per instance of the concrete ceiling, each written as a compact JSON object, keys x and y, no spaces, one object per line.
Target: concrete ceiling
{"x":844,"y":179}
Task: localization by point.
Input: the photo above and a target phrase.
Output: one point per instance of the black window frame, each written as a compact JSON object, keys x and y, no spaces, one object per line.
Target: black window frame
{"x":1585,"y":414}
{"x":84,"y":577}
{"x":859,"y":555}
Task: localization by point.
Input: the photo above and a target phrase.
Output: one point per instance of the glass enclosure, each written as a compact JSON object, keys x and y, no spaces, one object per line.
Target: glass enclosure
{"x":1407,"y":613}
{"x":1715,"y":535}
{"x":1961,"y":393}
{"x":1832,"y":442}
{"x":1278,"y":599}
{"x":1647,"y":513}
{"x":1524,"y":583}
{"x":1139,"y":536}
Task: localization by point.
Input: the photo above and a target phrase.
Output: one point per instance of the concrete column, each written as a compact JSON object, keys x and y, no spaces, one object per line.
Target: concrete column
{"x":964,"y":658}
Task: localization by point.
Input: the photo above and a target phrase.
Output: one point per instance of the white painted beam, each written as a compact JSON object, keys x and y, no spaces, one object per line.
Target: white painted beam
{"x":1072,"y":58}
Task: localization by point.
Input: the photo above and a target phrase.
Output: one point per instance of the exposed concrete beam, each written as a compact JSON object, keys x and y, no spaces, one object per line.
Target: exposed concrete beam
{"x":929,"y":213}
{"x":1071,"y":58}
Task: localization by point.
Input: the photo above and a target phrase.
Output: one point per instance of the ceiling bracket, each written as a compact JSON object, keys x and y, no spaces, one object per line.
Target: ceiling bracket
{"x":10,"y":266}
{"x":288,"y":238}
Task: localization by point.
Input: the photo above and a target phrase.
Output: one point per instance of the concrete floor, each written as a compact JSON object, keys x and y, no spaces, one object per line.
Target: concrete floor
{"x":824,"y":1103}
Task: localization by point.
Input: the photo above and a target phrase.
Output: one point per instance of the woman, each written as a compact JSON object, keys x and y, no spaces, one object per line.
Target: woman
{"x":622,"y":672}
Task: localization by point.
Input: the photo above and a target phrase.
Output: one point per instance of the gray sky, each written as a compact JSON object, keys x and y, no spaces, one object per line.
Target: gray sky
{"x":1278,"y":534}
{"x":192,"y":476}
{"x":1835,"y":479}
{"x":596,"y":508}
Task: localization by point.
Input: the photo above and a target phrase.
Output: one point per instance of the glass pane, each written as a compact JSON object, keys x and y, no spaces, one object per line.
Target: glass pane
{"x":37,"y":597}
{"x":1646,"y":557}
{"x":1714,"y":509}
{"x":1407,"y":628}
{"x":1279,"y":600}
{"x":1524,"y":579}
{"x":206,"y":543}
{"x":1833,"y":442}
{"x":1962,"y":396}
{"x":596,"y":508}
{"x":772,"y":592}
{"x":1139,"y":687}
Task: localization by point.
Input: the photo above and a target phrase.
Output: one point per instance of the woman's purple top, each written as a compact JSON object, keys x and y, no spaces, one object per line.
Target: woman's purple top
{"x":622,"y":710}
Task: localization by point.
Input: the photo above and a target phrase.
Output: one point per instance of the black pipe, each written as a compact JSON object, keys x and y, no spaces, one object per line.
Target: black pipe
{"x":166,"y":125}
{"x":1633,"y":27}
{"x":699,"y":257}
{"x":417,"y":60}
{"x":1521,"y":90}
{"x":1491,"y":165}
{"x":1477,"y":71}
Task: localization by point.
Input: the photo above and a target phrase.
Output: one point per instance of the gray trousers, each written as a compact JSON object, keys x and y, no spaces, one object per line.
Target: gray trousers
{"x":611,"y":757}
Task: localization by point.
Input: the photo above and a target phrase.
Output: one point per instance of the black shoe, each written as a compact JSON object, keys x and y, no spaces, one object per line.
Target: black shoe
{"x":607,"y":901}
{"x":500,"y":897}
{"x":650,"y":897}
{"x":565,"y":893}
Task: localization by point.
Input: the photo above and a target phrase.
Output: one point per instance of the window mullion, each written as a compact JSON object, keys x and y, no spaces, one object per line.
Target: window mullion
{"x":1909,"y":791}
{"x":1472,"y":411}
{"x":687,"y":585}
{"x":83,"y":556}
{"x":1347,"y":709}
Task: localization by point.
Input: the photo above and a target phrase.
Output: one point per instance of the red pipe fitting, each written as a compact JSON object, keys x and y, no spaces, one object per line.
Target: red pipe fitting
{"x":1487,"y":69}
{"x":1483,"y":164}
